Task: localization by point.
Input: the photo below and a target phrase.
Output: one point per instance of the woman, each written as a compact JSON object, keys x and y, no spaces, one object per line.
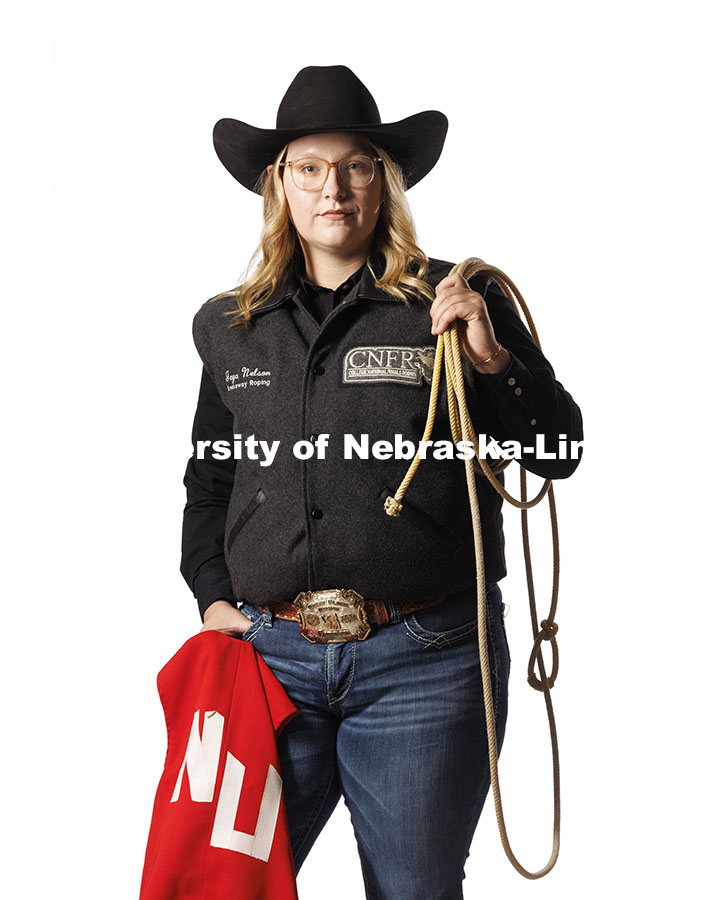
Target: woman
{"x":368,"y":621}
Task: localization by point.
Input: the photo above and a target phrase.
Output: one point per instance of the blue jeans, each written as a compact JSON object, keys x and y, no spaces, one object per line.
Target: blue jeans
{"x":396,"y":725}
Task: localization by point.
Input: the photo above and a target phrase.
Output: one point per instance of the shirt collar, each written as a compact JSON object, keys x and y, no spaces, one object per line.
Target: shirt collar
{"x":309,"y":289}
{"x":290,"y":282}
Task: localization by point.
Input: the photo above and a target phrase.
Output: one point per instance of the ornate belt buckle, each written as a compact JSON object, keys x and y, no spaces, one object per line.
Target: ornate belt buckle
{"x":332,"y":616}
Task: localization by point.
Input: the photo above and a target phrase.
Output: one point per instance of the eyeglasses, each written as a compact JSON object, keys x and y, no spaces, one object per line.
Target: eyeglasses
{"x":310,"y":173}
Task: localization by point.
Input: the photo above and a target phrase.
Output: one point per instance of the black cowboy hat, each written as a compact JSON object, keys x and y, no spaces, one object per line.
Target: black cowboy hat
{"x":329,"y":98}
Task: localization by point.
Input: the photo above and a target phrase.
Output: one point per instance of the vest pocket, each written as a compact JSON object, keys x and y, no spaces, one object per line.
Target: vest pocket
{"x":427,"y":523}
{"x":242,"y":519}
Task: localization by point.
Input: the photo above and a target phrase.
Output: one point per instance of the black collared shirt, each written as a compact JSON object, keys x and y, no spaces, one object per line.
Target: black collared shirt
{"x":320,"y":301}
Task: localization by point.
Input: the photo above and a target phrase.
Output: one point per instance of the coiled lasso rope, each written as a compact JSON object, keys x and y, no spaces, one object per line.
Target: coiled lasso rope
{"x":462,"y":428}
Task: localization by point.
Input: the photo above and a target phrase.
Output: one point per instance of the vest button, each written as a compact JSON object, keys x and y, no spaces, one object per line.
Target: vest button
{"x":316,"y":513}
{"x":319,"y":370}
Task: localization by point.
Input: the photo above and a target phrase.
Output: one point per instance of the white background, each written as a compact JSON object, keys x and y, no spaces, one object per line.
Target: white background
{"x":582,"y":160}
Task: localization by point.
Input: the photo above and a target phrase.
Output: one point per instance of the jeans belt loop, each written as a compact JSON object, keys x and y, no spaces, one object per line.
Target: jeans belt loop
{"x":396,"y":615}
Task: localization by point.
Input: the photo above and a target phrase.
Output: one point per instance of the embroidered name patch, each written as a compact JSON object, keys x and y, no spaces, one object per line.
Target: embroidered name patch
{"x":247,"y":377}
{"x":409,"y":365}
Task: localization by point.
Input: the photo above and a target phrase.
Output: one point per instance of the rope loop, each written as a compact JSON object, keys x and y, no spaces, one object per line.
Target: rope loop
{"x":536,"y":657}
{"x":461,"y":426}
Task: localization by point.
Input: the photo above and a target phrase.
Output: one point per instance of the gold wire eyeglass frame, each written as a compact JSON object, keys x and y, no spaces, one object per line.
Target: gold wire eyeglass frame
{"x":329,"y":165}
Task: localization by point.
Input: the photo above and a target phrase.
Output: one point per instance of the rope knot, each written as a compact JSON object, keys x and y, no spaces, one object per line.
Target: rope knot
{"x":547,"y":632}
{"x":392,"y":506}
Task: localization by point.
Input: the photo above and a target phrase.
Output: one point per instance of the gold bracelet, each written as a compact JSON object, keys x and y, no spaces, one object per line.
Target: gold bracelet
{"x":491,"y":358}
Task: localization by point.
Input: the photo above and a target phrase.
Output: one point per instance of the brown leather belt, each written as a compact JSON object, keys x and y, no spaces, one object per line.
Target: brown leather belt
{"x":341,"y":614}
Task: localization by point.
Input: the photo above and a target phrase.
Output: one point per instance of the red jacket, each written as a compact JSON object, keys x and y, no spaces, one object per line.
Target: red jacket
{"x":219,"y":829}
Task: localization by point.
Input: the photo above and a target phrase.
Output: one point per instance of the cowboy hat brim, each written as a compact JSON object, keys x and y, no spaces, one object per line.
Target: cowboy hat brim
{"x":415,"y":143}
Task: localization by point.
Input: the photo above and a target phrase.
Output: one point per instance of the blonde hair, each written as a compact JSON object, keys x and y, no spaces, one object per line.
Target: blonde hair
{"x":395,"y":238}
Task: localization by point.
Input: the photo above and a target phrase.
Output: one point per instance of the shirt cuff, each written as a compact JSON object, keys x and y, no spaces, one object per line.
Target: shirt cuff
{"x":212,"y":584}
{"x":510,"y":391}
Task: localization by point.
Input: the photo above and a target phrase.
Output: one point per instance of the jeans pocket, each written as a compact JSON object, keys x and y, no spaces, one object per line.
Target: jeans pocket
{"x":258,"y":619}
{"x":443,"y":625}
